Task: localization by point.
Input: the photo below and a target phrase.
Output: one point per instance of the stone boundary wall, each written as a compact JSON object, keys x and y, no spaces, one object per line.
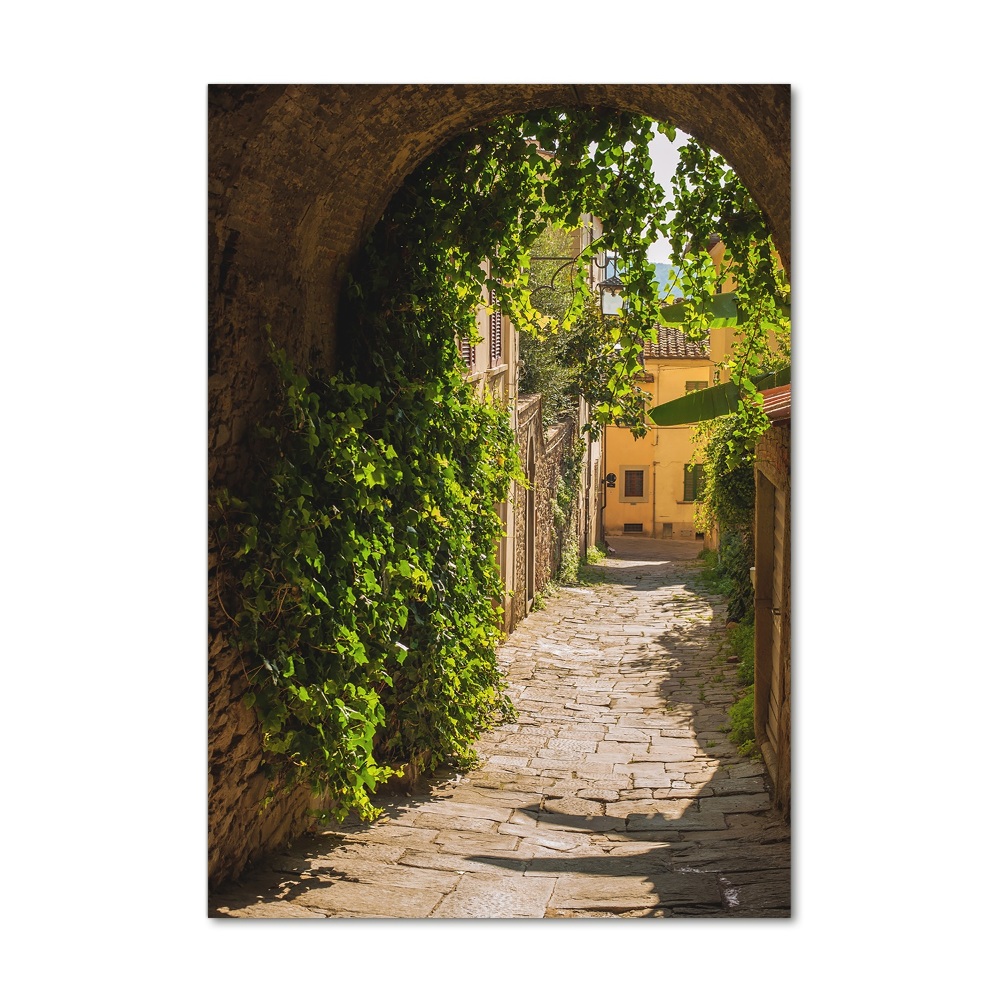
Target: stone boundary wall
{"x":240,"y":829}
{"x":774,"y":454}
{"x":551,"y":448}
{"x":551,"y":540}
{"x":529,"y":419}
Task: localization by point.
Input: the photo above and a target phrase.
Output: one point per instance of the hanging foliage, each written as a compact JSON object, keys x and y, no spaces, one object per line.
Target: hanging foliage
{"x":367,"y":607}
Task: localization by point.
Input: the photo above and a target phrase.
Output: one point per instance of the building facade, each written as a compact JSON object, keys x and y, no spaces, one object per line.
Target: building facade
{"x":649,"y":487}
{"x":536,"y":533}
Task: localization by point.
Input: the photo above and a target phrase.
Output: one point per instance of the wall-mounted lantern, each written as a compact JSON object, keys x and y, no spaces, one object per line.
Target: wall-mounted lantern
{"x":612,"y":299}
{"x":611,"y":290}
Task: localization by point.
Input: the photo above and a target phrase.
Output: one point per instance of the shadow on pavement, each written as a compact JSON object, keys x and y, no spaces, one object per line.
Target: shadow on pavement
{"x":718,"y":849}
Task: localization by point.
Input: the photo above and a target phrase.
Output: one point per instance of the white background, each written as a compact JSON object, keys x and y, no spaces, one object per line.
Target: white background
{"x":104,"y":415}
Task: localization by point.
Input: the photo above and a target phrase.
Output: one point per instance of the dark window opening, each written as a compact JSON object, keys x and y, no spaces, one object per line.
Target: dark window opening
{"x":496,"y":328}
{"x":694,"y":482}
{"x":465,"y":348}
{"x":634,"y":482}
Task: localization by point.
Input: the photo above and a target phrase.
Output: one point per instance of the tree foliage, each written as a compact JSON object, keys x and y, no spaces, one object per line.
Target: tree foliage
{"x":571,"y":350}
{"x":709,"y":203}
{"x":548,"y":363}
{"x":489,"y":196}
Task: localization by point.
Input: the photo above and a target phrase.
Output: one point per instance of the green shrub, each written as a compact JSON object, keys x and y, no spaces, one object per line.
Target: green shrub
{"x":741,"y":731}
{"x":728,"y":503}
{"x":735,"y":560}
{"x":741,"y":642}
{"x":711,"y":576}
{"x":564,"y":514}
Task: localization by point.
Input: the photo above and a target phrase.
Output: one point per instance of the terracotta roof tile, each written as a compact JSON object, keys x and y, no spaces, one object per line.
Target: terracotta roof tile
{"x":671,"y":343}
{"x":778,"y":404}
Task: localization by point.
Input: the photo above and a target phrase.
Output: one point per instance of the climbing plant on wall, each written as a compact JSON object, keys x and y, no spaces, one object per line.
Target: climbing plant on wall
{"x":366,"y":610}
{"x":727,"y":503}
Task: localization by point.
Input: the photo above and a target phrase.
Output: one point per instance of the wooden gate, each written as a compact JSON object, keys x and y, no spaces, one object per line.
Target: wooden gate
{"x":772,"y":615}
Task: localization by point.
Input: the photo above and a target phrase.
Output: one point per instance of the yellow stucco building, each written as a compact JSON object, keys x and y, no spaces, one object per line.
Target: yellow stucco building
{"x":653,"y":493}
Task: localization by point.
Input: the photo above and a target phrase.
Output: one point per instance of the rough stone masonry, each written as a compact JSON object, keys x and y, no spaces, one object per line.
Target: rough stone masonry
{"x":616,"y":793}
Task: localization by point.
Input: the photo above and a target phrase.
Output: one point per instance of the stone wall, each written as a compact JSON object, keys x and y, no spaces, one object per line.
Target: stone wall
{"x":551,"y":448}
{"x":297,"y":177}
{"x":529,"y":422}
{"x":551,"y":539}
{"x":774,"y":454}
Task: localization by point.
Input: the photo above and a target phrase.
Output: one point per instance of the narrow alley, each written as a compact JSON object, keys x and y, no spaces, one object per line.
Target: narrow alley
{"x":615,"y":794}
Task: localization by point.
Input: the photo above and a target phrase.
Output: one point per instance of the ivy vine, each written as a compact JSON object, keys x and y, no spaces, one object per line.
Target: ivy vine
{"x":367,"y":607}
{"x":369,"y":598}
{"x":728,"y":503}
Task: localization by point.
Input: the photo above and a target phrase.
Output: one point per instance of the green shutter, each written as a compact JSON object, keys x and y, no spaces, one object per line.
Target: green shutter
{"x":694,"y":482}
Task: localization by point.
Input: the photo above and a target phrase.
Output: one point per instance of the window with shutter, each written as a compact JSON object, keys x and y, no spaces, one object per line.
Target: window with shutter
{"x":694,"y":482}
{"x":633,"y":483}
{"x":465,"y":349}
{"x":694,"y":386}
{"x":496,"y":330}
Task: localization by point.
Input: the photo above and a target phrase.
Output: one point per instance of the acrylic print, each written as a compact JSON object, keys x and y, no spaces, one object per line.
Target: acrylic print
{"x":499,"y":528}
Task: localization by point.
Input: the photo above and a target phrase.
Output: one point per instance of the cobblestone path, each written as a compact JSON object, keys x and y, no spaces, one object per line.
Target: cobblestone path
{"x":615,"y":794}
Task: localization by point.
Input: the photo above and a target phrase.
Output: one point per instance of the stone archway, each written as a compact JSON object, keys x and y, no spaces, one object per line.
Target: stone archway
{"x":298,"y":175}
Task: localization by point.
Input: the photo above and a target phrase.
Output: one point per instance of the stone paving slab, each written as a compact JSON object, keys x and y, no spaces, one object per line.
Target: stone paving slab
{"x":452,"y":808}
{"x":356,"y":899}
{"x":593,"y":824}
{"x":400,"y":836}
{"x":615,"y":793}
{"x":372,"y":873}
{"x":620,"y":893}
{"x":571,"y":805}
{"x":279,"y":909}
{"x":487,"y":896}
{"x":462,"y":864}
